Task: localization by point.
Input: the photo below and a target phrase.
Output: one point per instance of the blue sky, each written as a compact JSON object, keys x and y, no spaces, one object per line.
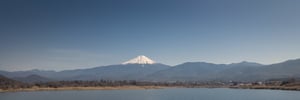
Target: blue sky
{"x":62,"y":34}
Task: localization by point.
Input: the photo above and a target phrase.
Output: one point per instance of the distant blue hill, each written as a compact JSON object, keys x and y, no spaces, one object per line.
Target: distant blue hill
{"x":190,"y":71}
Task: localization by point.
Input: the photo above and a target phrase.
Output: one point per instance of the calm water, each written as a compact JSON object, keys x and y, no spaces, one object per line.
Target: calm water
{"x":156,"y":94}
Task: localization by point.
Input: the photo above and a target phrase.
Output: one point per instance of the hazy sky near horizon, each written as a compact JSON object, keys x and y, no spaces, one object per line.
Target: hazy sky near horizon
{"x":71,"y":34}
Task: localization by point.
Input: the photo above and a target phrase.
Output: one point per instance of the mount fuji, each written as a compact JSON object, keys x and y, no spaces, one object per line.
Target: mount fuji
{"x":134,"y":69}
{"x":140,"y":60}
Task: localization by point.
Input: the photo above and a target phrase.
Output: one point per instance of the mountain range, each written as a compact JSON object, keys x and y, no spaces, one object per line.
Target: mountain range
{"x":144,"y":69}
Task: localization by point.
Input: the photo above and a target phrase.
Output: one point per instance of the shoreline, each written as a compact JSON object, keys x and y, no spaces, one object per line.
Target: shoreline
{"x":292,"y":88}
{"x":84,"y":88}
{"x":36,"y":89}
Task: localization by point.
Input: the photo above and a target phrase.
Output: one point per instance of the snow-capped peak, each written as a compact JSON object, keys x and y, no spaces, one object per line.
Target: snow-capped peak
{"x":140,"y":60}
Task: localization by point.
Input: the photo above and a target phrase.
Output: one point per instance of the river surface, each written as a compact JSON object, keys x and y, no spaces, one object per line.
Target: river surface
{"x":156,"y":94}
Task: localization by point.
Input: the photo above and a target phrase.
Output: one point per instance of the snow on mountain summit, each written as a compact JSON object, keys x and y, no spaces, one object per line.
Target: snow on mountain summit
{"x":140,"y":60}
